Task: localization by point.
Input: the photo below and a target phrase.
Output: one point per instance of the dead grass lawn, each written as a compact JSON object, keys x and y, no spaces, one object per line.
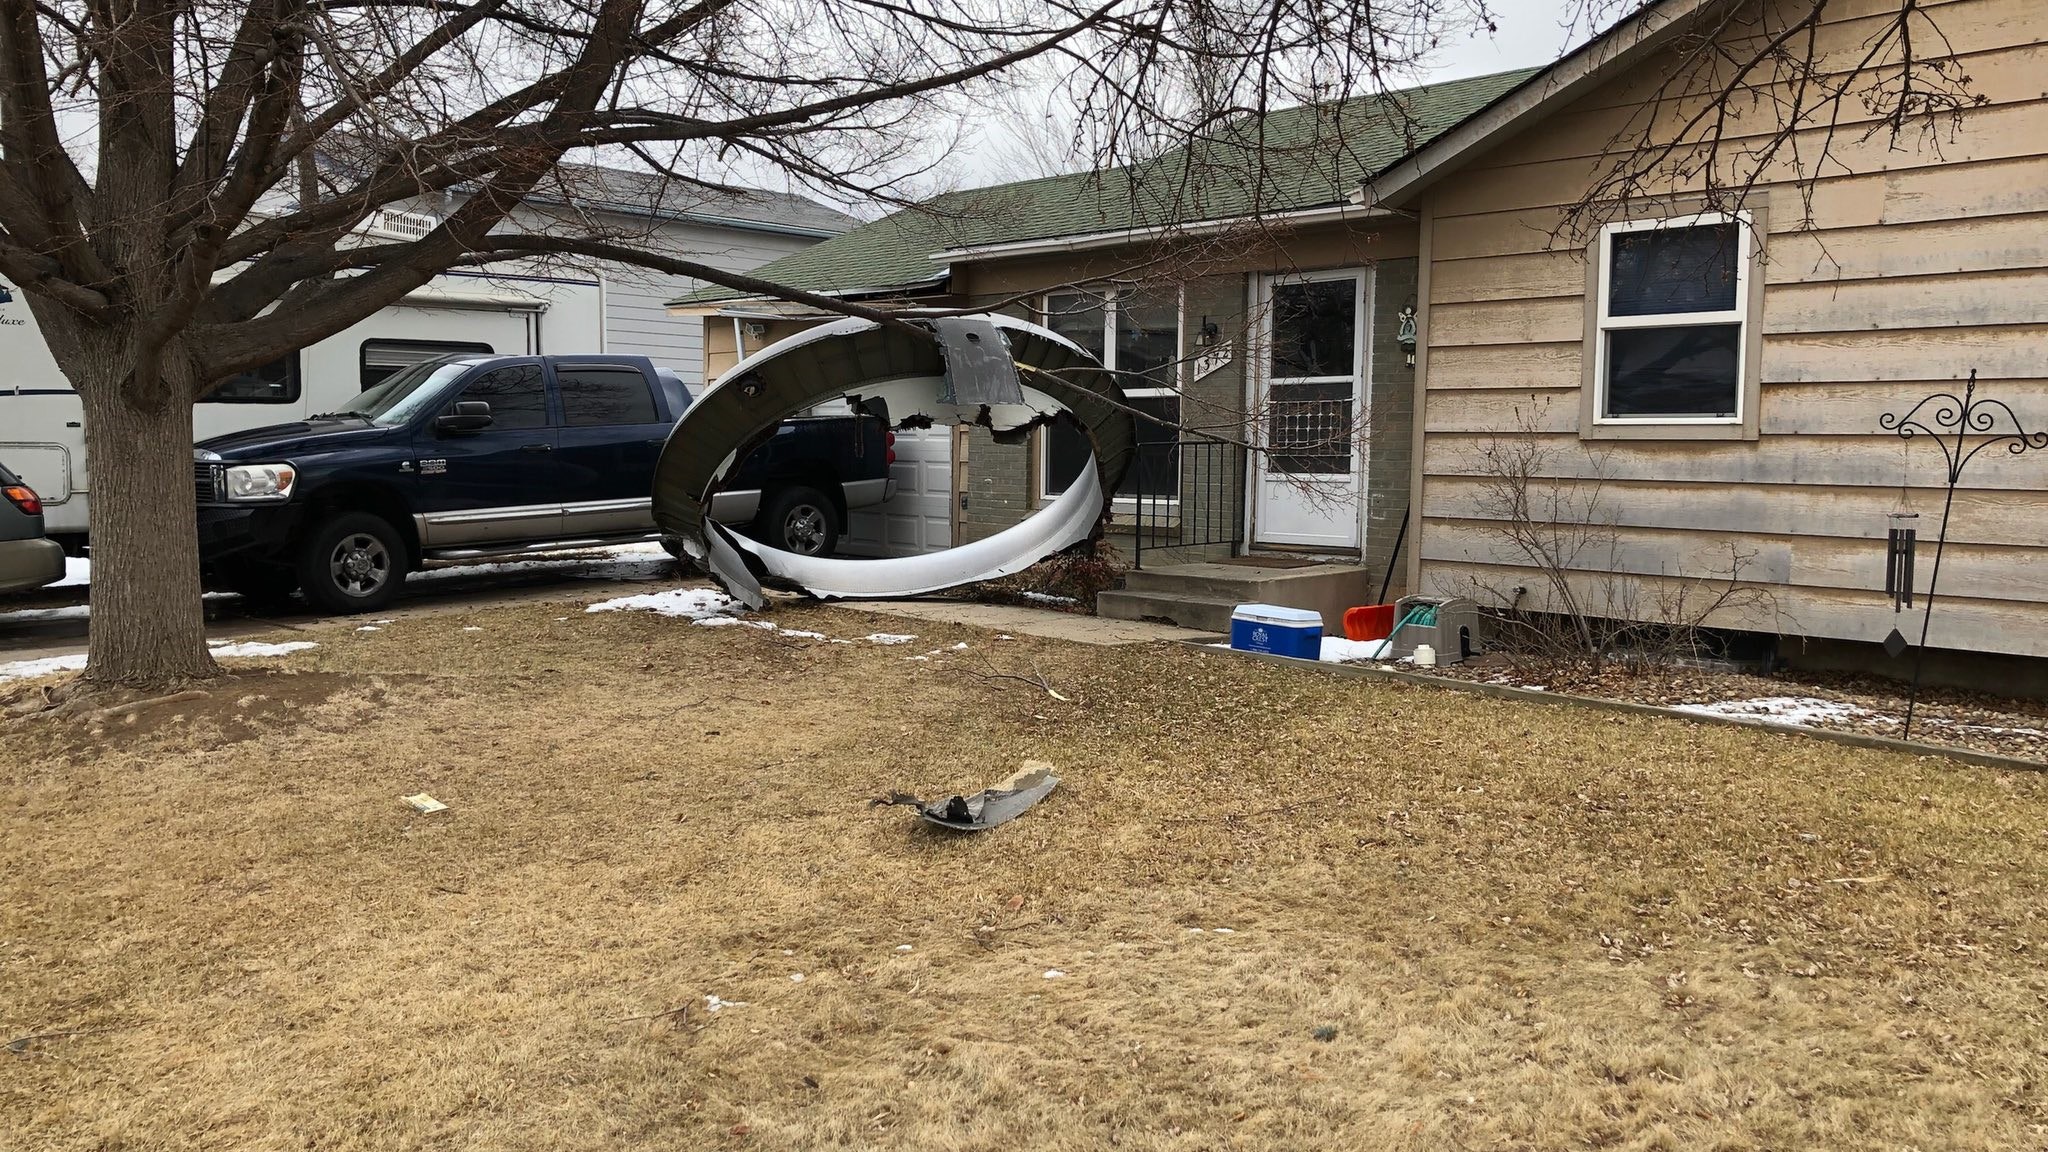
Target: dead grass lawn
{"x":1513,"y":926}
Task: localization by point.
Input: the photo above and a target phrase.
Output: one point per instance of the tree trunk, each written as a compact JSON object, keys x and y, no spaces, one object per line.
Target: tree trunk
{"x":148,"y":626}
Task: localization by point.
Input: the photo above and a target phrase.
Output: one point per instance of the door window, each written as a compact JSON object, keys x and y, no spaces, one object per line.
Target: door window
{"x":598,"y":396}
{"x":517,"y":394}
{"x":1310,"y":402}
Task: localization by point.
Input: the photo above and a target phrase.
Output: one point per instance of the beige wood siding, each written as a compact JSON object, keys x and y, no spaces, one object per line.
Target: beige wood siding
{"x":1903,"y":269}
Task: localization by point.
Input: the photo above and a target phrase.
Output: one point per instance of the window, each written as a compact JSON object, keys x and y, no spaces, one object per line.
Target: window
{"x":381,"y":358}
{"x":1673,"y":310}
{"x":518,"y":396}
{"x":594,"y":396}
{"x":1136,"y":334}
{"x":274,"y":383}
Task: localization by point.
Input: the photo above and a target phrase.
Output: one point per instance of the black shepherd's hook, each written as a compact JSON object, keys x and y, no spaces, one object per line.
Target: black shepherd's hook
{"x":1974,"y":424}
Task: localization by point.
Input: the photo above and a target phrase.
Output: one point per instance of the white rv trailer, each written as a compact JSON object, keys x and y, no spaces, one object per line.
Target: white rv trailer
{"x":42,"y":421}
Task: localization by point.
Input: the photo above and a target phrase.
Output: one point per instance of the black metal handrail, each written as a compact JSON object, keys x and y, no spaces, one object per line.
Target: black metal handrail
{"x":1184,"y":494}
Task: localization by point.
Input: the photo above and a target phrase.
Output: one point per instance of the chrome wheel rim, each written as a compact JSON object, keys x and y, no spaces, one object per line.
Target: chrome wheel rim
{"x":359,"y":564}
{"x":804,"y":530}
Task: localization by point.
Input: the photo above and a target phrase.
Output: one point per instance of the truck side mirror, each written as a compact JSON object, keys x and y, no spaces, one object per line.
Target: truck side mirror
{"x":467,"y":417}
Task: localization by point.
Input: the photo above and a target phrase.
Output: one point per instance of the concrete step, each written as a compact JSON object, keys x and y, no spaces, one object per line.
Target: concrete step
{"x":1208,"y":614}
{"x":1325,"y":588}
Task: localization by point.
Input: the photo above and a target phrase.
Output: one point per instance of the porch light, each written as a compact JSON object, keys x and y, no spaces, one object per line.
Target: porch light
{"x":1405,"y":334}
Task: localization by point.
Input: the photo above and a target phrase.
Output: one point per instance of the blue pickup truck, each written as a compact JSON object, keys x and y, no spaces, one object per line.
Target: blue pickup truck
{"x":467,"y":457}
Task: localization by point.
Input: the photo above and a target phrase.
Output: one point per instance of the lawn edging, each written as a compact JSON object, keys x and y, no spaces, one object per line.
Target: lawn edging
{"x":1540,"y":696}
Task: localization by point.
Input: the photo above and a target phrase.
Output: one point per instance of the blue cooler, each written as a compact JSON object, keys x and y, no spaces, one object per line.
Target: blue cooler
{"x":1295,"y":632}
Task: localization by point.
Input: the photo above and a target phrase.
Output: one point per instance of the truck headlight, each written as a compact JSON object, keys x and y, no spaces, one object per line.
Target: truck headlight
{"x":260,"y":482}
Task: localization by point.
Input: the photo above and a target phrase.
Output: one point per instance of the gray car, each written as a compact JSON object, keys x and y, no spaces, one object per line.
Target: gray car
{"x":28,"y":559}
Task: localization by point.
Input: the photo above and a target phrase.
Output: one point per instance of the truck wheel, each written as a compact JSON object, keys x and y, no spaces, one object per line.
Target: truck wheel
{"x":674,"y":548}
{"x":354,"y":562}
{"x":803,"y":521}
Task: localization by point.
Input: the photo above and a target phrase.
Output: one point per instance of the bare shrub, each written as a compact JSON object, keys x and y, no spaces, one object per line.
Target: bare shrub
{"x":1586,"y":607}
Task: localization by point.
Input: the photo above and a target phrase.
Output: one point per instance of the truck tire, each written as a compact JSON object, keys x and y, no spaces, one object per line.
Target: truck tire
{"x":353,"y":562}
{"x":801,"y":520}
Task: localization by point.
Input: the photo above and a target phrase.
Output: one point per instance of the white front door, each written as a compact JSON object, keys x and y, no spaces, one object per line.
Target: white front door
{"x":1308,"y":396}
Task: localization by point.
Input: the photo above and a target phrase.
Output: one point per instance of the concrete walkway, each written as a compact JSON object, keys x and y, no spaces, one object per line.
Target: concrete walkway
{"x":1069,"y":626}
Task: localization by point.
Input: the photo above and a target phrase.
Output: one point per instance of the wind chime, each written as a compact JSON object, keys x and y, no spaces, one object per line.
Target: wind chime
{"x":1952,"y":422}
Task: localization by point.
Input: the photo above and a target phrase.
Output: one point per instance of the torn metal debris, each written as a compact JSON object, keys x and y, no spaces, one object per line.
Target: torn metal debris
{"x":988,"y":807}
{"x":1001,"y":373}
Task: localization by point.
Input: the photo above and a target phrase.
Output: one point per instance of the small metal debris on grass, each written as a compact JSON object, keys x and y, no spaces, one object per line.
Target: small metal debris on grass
{"x":1326,"y":1033}
{"x":713,"y":1004}
{"x":1053,"y":973}
{"x":424,"y":804}
{"x":903,"y":947}
{"x":796,"y":977}
{"x":987,"y":808}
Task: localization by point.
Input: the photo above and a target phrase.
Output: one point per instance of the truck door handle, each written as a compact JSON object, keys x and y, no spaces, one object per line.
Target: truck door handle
{"x":536,"y":447}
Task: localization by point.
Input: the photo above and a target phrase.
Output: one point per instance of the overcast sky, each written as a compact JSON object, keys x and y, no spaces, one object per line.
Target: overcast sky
{"x":1531,"y":33}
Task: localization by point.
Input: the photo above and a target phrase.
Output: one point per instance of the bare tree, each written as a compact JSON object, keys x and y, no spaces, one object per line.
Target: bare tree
{"x":184,"y":184}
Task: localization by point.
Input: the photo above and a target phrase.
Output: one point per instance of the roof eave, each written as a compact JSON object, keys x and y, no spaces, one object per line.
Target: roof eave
{"x":684,"y":306}
{"x":1594,"y":62}
{"x":1329,"y":213}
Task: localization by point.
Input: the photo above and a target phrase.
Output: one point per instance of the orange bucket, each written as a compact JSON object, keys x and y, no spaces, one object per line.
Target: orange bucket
{"x":1371,"y":622}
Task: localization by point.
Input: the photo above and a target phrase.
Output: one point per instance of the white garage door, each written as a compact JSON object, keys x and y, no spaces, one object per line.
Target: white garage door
{"x":919,"y":518}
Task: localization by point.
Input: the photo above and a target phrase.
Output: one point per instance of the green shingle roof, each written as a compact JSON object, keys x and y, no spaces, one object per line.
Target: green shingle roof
{"x":1295,"y":158}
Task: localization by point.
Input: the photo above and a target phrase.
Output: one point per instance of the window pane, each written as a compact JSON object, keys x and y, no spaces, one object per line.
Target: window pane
{"x":1147,"y":340}
{"x":275,"y":383}
{"x":1152,"y":472}
{"x":1664,"y":270}
{"x":381,"y":358}
{"x":517,"y":395}
{"x":1309,"y":428}
{"x":1673,"y":371}
{"x":1079,"y":317}
{"x":1315,"y":328}
{"x":604,"y":396}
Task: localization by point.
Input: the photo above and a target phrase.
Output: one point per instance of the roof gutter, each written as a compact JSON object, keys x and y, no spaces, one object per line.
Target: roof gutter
{"x":1085,"y":241}
{"x":1592,"y":63}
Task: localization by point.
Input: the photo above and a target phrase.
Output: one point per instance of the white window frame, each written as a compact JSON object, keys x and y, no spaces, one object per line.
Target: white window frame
{"x":1739,"y":316}
{"x":1126,"y":506}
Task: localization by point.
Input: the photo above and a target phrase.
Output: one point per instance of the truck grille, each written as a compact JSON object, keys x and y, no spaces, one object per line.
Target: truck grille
{"x":206,"y":482}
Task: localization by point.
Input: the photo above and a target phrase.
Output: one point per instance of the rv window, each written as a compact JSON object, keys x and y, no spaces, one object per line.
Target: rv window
{"x":604,"y":396}
{"x":517,"y":395}
{"x":380,"y":358}
{"x":274,"y":383}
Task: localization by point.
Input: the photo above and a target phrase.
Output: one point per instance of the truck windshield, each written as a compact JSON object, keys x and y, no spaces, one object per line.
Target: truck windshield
{"x":403,"y":395}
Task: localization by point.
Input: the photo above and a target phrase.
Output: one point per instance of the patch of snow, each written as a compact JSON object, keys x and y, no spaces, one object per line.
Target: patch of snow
{"x":917,"y":658}
{"x":887,"y":638}
{"x":960,"y":647}
{"x":1788,"y":711}
{"x":77,"y":571}
{"x":472,"y":628}
{"x":796,"y":977}
{"x":903,"y":947}
{"x":24,"y":669}
{"x":1224,"y":931}
{"x":800,"y":634}
{"x":699,"y":604}
{"x":253,"y":648}
{"x":1338,"y":650}
{"x":712,"y":1004}
{"x":31,"y":615}
{"x":369,"y":628}
{"x":1006,"y":636}
{"x":1049,"y":598}
{"x":1053,"y":973}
